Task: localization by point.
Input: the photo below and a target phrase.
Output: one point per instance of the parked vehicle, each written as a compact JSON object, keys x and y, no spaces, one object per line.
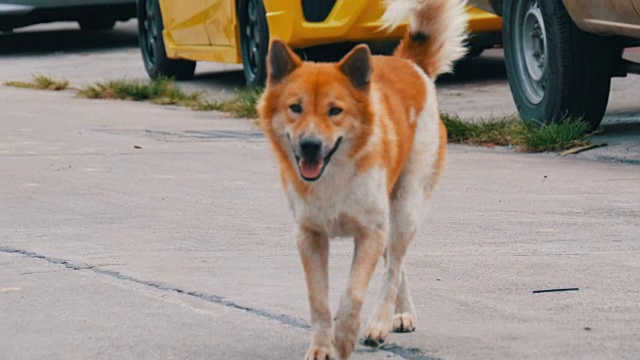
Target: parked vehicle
{"x":90,"y":14}
{"x":175,"y":34}
{"x":561,"y":54}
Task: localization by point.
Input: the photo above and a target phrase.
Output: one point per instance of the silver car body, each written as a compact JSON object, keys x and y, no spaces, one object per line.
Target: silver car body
{"x":18,"y":7}
{"x":604,"y":17}
{"x":90,"y":14}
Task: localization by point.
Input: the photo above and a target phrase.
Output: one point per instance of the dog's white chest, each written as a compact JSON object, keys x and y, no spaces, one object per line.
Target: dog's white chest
{"x":335,"y":202}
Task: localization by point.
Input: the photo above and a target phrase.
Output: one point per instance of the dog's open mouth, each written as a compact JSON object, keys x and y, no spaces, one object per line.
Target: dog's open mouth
{"x":312,"y":169}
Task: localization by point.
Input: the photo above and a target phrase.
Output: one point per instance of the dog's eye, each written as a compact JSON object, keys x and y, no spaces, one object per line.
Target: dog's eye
{"x":335,"y":111}
{"x":295,"y":108}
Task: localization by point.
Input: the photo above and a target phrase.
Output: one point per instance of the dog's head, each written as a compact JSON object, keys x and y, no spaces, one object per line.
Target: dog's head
{"x":316,"y":112}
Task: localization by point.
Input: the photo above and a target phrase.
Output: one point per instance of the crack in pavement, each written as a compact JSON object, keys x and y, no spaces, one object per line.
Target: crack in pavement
{"x":406,"y":353}
{"x":284,"y":319}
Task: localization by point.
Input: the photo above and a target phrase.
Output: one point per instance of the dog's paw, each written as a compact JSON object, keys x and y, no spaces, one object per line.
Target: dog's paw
{"x":346,"y":333}
{"x":404,"y":322}
{"x":376,"y":332}
{"x":320,"y":353}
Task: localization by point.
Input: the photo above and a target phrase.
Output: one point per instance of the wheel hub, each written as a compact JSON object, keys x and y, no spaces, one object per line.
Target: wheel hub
{"x":534,"y":43}
{"x":532,"y":50}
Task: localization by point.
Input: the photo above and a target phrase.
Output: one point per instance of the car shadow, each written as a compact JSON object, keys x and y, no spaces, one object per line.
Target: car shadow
{"x":489,"y":67}
{"x":622,"y":124}
{"x":226,"y":79}
{"x":53,"y":39}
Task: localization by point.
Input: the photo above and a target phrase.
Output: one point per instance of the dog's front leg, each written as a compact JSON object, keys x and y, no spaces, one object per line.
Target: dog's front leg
{"x":314,"y":253}
{"x":368,"y":249}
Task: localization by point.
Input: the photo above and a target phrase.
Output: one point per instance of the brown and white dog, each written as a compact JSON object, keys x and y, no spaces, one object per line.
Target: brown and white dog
{"x":360,"y":146}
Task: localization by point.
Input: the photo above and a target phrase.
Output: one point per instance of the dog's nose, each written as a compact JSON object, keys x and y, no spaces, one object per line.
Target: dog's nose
{"x":310,"y":147}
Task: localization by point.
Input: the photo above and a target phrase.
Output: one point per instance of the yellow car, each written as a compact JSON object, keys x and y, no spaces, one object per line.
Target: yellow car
{"x":174,"y":34}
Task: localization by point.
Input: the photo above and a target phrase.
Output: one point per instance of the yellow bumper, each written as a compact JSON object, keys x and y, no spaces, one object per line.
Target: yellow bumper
{"x":350,"y":20}
{"x":481,"y":21}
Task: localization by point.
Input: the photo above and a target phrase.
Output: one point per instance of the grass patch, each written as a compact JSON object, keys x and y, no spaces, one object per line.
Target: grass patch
{"x":242,"y":104}
{"x":529,"y":137}
{"x":163,"y":91}
{"x":501,"y":132}
{"x":40,"y":82}
{"x":560,"y":136}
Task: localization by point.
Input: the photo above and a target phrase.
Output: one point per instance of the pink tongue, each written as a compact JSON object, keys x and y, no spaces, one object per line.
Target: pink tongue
{"x":311,"y":169}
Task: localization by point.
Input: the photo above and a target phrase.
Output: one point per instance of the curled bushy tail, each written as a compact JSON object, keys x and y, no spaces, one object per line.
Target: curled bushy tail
{"x":436,"y":35}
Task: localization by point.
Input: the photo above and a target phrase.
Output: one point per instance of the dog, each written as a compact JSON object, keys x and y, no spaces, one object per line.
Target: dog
{"x":360,"y":146}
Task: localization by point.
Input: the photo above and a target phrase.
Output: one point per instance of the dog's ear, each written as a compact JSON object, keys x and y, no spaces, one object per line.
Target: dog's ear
{"x":356,"y":65}
{"x":281,"y":61}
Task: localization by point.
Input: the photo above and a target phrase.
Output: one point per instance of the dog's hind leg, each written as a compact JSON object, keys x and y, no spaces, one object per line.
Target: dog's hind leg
{"x":394,"y":310}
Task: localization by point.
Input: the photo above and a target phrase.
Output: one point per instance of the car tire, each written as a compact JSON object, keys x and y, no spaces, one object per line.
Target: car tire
{"x":154,"y":55}
{"x":96,"y":24}
{"x":555,"y":70}
{"x":254,"y":40}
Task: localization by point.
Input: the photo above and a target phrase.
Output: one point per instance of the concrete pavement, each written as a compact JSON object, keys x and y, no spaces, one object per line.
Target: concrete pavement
{"x":182,"y":247}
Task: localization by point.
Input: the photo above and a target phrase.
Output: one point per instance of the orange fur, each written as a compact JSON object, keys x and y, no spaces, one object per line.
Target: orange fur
{"x":417,"y":51}
{"x":420,"y":51}
{"x":442,"y":153}
{"x":399,"y":103}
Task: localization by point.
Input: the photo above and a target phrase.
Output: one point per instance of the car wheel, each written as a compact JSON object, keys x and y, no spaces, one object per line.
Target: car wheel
{"x":554,"y":69}
{"x":254,"y":40}
{"x":154,"y":54}
{"x":96,"y":24}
